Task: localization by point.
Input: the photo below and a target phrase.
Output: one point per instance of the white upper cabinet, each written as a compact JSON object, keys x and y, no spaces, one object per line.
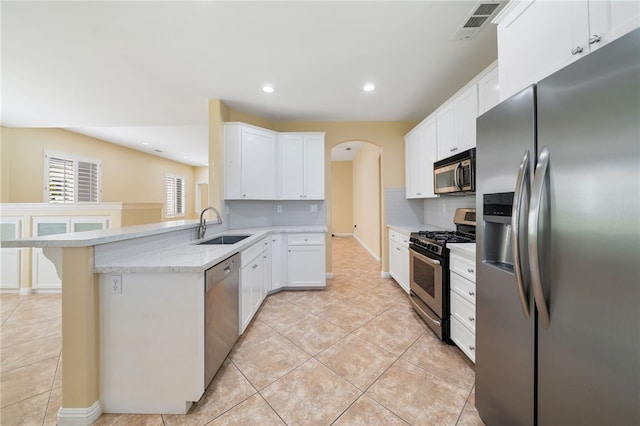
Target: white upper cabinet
{"x":420,"y":154}
{"x":537,"y":38}
{"x":488,"y":91}
{"x":456,"y":123}
{"x":301,"y":166}
{"x":249,"y":162}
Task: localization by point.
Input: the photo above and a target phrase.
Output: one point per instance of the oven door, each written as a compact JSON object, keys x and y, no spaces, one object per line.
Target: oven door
{"x":426,"y":280}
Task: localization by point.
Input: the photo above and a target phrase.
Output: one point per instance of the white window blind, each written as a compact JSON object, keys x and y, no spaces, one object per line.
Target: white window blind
{"x":174,"y":195}
{"x":71,"y":180}
{"x":87,"y":182}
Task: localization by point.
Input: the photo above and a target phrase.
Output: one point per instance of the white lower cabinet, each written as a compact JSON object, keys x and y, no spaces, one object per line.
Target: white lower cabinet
{"x":278,"y":263}
{"x":306,"y":261}
{"x":399,"y":258}
{"x":463,"y":301}
{"x":252,"y":274}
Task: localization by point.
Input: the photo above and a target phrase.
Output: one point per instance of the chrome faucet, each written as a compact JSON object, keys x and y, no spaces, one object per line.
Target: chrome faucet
{"x":203,"y":223}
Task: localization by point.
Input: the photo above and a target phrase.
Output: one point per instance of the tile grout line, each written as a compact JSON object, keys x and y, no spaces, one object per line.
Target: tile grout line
{"x":46,"y":411}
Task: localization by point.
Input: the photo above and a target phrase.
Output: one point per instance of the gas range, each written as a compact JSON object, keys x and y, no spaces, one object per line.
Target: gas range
{"x":436,"y":241}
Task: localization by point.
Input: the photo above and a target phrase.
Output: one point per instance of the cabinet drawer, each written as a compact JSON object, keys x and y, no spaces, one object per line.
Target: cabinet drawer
{"x":463,"y":287}
{"x":246,"y":256}
{"x":399,"y":238}
{"x":463,"y":311}
{"x":305,"y":239}
{"x":464,"y":339}
{"x":464,"y":267}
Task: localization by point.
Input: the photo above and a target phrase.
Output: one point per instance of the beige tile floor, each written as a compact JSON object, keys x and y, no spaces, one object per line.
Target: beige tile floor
{"x":353,"y":354}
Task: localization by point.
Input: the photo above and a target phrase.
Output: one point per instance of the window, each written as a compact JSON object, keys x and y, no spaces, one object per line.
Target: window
{"x":70,"y":179}
{"x":174,"y":195}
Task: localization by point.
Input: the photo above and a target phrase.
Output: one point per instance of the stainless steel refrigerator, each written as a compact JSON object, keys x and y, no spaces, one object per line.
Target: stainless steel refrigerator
{"x":558,"y":247}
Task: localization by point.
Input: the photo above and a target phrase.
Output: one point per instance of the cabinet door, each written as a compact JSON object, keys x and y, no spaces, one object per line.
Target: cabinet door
{"x":404,"y":268}
{"x":413,"y":163}
{"x":314,"y":167}
{"x":251,"y":280}
{"x":610,"y":19}
{"x":268,"y":264}
{"x":466,"y":114}
{"x":305,"y":266}
{"x":488,"y":91}
{"x":427,"y":155}
{"x":258,"y":164}
{"x":537,"y":38}
{"x":232,"y":162}
{"x":446,"y":131}
{"x":394,"y":252}
{"x":291,"y":148}
{"x":277,"y":278}
{"x":10,"y":258}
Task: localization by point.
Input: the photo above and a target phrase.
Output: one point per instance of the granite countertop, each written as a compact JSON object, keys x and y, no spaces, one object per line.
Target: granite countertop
{"x":193,"y":257}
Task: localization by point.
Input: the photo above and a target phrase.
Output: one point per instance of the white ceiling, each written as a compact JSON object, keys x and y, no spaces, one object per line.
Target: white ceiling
{"x":129,"y":72}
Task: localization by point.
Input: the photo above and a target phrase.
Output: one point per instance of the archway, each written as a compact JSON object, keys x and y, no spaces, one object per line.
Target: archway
{"x":356,"y":194}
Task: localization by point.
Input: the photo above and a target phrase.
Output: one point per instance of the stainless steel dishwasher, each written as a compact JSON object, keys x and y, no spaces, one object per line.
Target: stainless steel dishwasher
{"x":221,"y":313}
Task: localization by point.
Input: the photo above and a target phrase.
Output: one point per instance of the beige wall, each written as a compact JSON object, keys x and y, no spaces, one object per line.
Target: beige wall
{"x":128,"y":176}
{"x":366,"y":198}
{"x":341,"y":197}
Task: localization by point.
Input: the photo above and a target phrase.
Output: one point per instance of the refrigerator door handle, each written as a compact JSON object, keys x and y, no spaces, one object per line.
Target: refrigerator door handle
{"x":522,"y":190}
{"x":537,"y":192}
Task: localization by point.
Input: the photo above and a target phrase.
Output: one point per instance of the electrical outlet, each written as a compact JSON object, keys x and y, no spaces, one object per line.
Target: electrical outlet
{"x":444,"y":207}
{"x":279,"y":208}
{"x":314,"y":208}
{"x":116,"y":284}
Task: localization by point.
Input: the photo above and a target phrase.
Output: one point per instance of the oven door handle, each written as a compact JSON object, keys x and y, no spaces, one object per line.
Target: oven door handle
{"x":426,"y":259}
{"x":519,"y":198}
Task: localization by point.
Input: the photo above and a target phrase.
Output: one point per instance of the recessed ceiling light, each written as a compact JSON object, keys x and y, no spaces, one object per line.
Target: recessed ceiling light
{"x":267,"y":89}
{"x":145,"y":143}
{"x":369,"y":87}
{"x":186,"y":156}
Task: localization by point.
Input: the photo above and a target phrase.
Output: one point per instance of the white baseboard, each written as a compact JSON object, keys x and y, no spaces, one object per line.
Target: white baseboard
{"x":341,"y":234}
{"x":329,"y":275}
{"x":385,"y":274}
{"x":26,"y":291}
{"x":375,"y":256}
{"x":79,"y":416}
{"x":46,"y":291}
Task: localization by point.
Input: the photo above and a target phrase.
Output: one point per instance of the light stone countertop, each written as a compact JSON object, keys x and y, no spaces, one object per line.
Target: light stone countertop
{"x":467,"y":250}
{"x":191,"y":257}
{"x":104,"y":236}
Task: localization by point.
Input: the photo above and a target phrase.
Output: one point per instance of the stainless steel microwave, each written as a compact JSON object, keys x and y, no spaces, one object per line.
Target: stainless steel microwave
{"x":455,"y":174}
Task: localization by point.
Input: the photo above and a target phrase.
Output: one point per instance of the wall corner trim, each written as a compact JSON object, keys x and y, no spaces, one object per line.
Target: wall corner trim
{"x":79,"y":416}
{"x":329,"y":275}
{"x":26,"y":291}
{"x":385,"y":274}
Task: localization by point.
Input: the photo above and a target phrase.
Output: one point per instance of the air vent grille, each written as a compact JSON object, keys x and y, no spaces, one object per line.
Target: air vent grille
{"x":486,"y":9}
{"x":481,"y":13}
{"x":475,"y":21}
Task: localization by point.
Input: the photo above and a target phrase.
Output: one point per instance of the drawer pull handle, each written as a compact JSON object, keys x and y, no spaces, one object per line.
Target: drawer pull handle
{"x":472,"y":319}
{"x":472,"y":293}
{"x":472,"y":348}
{"x":576,"y":50}
{"x":469,"y":270}
{"x":255,"y":266}
{"x":594,"y":39}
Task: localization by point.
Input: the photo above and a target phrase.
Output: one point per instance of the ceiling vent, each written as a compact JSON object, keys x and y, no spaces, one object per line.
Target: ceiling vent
{"x":479,"y":16}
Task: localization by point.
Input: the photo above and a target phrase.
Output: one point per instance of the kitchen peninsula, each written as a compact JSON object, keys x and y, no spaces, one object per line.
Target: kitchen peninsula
{"x":151,"y":324}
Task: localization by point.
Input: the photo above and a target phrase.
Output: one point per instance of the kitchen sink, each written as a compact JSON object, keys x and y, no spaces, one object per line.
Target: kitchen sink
{"x":225,"y":239}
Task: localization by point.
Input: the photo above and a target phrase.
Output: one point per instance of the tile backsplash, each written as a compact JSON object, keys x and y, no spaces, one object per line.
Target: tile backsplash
{"x":439,"y":211}
{"x":256,"y":213}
